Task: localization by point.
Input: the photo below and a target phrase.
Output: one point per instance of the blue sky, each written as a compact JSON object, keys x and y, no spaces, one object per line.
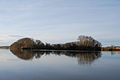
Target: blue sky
{"x":59,"y":21}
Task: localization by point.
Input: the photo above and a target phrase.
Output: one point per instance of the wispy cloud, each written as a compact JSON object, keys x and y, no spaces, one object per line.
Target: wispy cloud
{"x":17,"y":36}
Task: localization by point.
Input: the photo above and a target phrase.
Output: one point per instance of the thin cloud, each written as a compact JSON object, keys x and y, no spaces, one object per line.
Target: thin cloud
{"x":18,"y":36}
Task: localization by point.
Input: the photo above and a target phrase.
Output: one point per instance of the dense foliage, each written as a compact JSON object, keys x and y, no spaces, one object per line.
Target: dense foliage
{"x":83,"y":43}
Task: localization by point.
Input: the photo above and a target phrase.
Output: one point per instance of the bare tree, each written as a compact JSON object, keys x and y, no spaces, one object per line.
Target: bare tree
{"x":88,"y":41}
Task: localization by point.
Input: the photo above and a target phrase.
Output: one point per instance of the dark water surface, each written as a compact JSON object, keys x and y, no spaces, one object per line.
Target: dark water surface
{"x":59,"y":65}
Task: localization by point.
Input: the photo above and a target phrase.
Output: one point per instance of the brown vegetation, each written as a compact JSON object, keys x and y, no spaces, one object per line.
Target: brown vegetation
{"x":22,"y":43}
{"x":111,"y":48}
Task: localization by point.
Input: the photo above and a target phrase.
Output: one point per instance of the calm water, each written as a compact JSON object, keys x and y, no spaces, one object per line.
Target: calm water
{"x":64,"y":65}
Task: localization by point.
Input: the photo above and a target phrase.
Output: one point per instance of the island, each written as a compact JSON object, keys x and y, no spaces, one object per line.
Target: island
{"x":84,"y":43}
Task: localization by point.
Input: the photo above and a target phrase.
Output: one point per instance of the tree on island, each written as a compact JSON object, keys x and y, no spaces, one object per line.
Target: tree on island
{"x":88,"y":41}
{"x":85,"y":43}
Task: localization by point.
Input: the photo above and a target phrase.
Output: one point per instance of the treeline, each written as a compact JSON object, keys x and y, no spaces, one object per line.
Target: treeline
{"x":83,"y":43}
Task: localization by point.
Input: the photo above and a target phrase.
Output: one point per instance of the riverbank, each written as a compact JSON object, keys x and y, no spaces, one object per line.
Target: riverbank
{"x":111,"y":48}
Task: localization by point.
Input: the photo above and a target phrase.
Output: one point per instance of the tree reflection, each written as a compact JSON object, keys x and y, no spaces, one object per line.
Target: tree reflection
{"x":82,"y":57}
{"x":27,"y":54}
{"x":88,"y":57}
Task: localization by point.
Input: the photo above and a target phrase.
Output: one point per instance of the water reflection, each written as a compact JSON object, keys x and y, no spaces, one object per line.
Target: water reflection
{"x":115,"y":52}
{"x":82,"y":57}
{"x":27,"y":54}
{"x":88,"y":58}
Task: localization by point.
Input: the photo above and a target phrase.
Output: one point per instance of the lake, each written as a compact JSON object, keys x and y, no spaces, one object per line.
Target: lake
{"x":59,"y":65}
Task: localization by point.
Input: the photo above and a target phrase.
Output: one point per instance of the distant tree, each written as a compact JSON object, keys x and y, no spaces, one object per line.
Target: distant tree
{"x":39,"y":44}
{"x":88,"y":41}
{"x":48,"y":46}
